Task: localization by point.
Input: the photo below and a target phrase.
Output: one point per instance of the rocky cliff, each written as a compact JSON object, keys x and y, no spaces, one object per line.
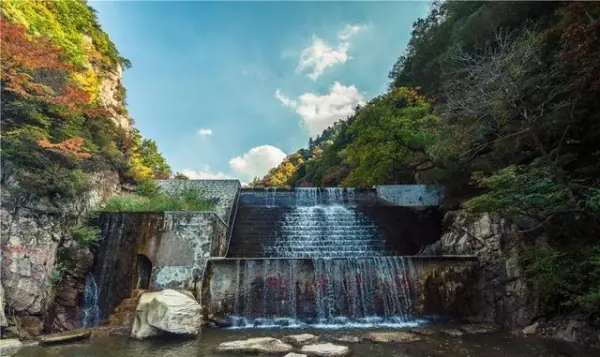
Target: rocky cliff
{"x":498,"y":290}
{"x":50,"y":184}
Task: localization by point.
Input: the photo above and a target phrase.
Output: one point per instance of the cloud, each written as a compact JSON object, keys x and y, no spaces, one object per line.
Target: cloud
{"x":204,"y":174}
{"x":319,"y":55}
{"x":288,"y":102}
{"x":349,"y":31}
{"x":257,"y":161}
{"x":205,"y":132}
{"x":320,"y":111}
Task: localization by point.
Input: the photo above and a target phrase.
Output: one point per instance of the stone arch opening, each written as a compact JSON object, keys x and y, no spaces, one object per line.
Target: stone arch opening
{"x":144,"y":271}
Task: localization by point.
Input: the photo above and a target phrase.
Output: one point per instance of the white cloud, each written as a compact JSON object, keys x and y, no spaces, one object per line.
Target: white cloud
{"x":320,"y":111}
{"x":204,"y":174}
{"x":319,"y":55}
{"x":349,"y":31}
{"x":205,"y":132}
{"x":257,"y":161}
{"x":288,"y":102}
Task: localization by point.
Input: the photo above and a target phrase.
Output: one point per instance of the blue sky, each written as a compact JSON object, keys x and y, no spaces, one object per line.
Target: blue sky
{"x":227,"y":89}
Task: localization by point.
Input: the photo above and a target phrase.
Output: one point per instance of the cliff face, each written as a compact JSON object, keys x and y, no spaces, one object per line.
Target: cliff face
{"x":48,"y":189}
{"x":499,"y":290}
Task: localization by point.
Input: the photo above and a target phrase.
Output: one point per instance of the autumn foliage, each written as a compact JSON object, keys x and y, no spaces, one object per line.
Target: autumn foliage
{"x":69,"y":147}
{"x":22,"y":56}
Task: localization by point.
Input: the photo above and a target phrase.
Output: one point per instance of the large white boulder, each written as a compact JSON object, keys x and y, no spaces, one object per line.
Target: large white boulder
{"x":167,"y":311}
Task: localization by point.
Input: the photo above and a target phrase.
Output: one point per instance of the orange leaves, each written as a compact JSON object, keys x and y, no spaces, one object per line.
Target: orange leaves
{"x":69,"y":147}
{"x":22,"y":57}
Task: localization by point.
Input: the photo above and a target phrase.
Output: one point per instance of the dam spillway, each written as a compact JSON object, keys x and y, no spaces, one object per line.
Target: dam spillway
{"x":328,"y":257}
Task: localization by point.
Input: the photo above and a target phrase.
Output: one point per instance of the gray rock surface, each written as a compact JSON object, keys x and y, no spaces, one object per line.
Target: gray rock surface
{"x":387,"y":337}
{"x":3,"y":321}
{"x":10,"y":346}
{"x":301,"y":339}
{"x":325,"y":350}
{"x":255,"y":345}
{"x":497,"y":290}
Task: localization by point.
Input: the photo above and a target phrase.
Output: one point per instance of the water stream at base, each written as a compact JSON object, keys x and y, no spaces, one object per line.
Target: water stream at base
{"x":90,"y":314}
{"x":331,"y":293}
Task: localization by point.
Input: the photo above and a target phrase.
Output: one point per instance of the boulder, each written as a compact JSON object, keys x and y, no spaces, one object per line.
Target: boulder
{"x":387,"y":337}
{"x":300,"y":340}
{"x":531,"y":329}
{"x":292,"y":354}
{"x":452,"y":332}
{"x":325,"y":350}
{"x":9,"y":347}
{"x":167,"y":311}
{"x":255,"y":345}
{"x":348,"y":338}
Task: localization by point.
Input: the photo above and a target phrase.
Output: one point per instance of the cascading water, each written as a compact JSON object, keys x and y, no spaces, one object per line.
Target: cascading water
{"x":338,"y":271}
{"x":321,"y":226}
{"x":90,"y":314}
{"x":327,"y":293}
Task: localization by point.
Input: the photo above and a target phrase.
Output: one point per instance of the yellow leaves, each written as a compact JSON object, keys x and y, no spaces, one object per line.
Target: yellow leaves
{"x":87,"y":81}
{"x":137,"y":170}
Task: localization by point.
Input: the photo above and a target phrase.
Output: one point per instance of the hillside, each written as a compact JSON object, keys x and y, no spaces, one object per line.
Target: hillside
{"x":67,"y":144}
{"x":497,"y":103}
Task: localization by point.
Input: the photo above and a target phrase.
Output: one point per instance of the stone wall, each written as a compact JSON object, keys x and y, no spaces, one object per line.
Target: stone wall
{"x":236,"y":286}
{"x":177,"y":244}
{"x":409,"y":195}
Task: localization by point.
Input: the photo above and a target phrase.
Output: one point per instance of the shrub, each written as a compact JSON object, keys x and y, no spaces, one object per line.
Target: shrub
{"x":567,"y":280}
{"x":85,"y":235}
{"x":188,"y":199}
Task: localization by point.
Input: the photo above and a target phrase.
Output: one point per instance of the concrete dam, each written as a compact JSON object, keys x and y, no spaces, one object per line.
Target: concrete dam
{"x":321,"y":257}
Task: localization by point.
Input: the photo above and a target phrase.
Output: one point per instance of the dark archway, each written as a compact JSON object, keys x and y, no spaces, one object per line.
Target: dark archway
{"x":144,"y":271}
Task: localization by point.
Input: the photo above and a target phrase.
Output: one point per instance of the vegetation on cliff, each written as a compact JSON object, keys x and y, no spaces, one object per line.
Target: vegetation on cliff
{"x":187,"y":199}
{"x":497,"y":102}
{"x":57,"y":129}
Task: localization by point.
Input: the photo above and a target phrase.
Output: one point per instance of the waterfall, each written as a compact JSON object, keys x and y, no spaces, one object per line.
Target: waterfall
{"x":91,"y":312}
{"x":327,"y":231}
{"x":307,"y":196}
{"x":362,"y":292}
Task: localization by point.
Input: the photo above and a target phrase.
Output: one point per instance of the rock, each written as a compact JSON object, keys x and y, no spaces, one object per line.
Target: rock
{"x":423,"y":331}
{"x":64,"y":337}
{"x":496,"y":291}
{"x":348,"y":338}
{"x":174,"y":312}
{"x":30,"y":327}
{"x":325,"y":350}
{"x":9,"y":347}
{"x":452,"y":332}
{"x":531,"y":329}
{"x":3,"y":322}
{"x":255,"y":345}
{"x":478,"y":329}
{"x":167,"y":311}
{"x":386,"y":337}
{"x":292,"y":354}
{"x":141,"y":329}
{"x":300,"y":340}
{"x":220,"y":321}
